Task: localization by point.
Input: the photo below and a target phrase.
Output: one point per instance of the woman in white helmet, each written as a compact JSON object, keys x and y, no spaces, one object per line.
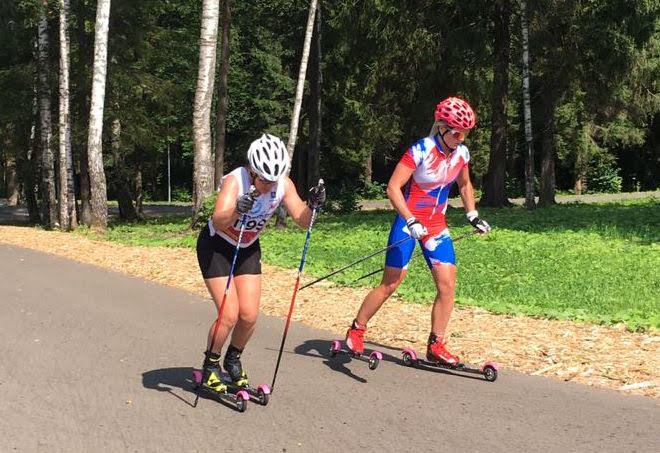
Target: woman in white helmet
{"x":254,"y":191}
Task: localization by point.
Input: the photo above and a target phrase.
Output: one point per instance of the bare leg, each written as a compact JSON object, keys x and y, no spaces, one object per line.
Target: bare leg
{"x":249,"y":294}
{"x":443,"y":305}
{"x":216,"y":287}
{"x":392,"y":278}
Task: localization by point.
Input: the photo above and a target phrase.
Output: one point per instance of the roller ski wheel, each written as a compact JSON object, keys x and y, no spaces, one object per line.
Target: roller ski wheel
{"x":488,"y":370}
{"x":259,"y":394}
{"x":239,"y":398}
{"x":373,"y":359}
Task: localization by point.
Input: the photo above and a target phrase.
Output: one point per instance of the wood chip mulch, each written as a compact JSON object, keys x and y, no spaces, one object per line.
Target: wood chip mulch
{"x":599,"y":356}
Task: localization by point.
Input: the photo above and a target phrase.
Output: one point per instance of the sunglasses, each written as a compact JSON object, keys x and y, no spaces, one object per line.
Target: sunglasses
{"x":456,"y":134}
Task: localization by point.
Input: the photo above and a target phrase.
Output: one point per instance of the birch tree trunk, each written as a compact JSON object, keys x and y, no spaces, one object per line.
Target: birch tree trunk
{"x":530,"y":202}
{"x":293,"y":130}
{"x":49,"y":200}
{"x":316,"y":82}
{"x":99,"y":196}
{"x":295,"y":117}
{"x":67,"y":195}
{"x":221,"y":114}
{"x":202,"y":161}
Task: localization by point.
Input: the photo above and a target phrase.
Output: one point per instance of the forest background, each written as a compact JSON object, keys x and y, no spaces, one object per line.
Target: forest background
{"x":376,"y":70}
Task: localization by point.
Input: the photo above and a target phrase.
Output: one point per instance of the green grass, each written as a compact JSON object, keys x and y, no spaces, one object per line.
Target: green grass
{"x":589,"y":262}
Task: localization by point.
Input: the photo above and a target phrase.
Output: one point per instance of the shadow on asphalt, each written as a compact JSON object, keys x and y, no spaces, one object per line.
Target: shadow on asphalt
{"x":167,"y":379}
{"x":321,"y":349}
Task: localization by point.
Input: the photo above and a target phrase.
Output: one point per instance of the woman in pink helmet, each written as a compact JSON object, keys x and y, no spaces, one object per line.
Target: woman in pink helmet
{"x":419,"y":189}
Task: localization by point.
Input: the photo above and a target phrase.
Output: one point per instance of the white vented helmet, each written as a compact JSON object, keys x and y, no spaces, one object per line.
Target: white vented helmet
{"x":268,"y":157}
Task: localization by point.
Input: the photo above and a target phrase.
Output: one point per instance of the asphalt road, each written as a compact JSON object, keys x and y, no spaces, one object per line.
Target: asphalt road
{"x":96,"y":361}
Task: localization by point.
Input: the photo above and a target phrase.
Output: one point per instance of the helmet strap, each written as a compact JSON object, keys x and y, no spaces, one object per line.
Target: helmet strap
{"x":441,"y":135}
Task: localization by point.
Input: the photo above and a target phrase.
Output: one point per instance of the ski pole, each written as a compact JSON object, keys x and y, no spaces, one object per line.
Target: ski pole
{"x":295,"y":292}
{"x":456,"y":239}
{"x":356,"y":262}
{"x":253,"y":193}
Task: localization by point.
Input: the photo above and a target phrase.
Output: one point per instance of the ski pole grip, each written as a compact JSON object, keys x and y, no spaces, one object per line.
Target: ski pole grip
{"x":254,"y":193}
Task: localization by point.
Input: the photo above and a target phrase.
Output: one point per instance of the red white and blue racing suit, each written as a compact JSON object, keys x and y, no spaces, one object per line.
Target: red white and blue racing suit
{"x":426,"y":195}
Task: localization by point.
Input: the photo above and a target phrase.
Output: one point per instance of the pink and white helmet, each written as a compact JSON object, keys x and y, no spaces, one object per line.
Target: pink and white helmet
{"x":268,"y":157}
{"x":456,"y":113}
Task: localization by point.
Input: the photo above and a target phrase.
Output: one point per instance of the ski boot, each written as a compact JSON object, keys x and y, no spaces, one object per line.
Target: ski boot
{"x":209,"y":379}
{"x":436,"y":352}
{"x":238,"y":376}
{"x":233,"y":367}
{"x":354,"y":338}
{"x":211,"y":374}
{"x":437,"y":356}
{"x":355,"y":346}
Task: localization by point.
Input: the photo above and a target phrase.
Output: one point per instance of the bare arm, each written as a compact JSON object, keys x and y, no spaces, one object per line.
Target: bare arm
{"x":395,"y":185}
{"x":224,"y":212}
{"x":466,"y":190}
{"x":298,"y":209}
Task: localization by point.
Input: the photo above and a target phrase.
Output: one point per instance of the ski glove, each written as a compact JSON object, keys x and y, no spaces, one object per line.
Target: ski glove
{"x":316,"y":197}
{"x":245,"y":202}
{"x":417,"y":230}
{"x":481,"y":226}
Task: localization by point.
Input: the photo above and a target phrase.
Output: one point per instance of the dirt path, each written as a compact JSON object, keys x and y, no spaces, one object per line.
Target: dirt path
{"x":608,"y":357}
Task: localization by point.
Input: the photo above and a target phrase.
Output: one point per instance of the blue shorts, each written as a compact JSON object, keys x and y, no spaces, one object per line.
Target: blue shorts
{"x":437,"y":249}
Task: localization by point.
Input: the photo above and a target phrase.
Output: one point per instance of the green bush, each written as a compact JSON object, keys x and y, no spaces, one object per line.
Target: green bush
{"x":181,"y":194}
{"x":342,"y":199}
{"x":603,"y":175}
{"x":374,"y":190}
{"x":207,"y":208}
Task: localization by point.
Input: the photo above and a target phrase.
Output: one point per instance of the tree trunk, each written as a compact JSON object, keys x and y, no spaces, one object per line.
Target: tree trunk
{"x":49,"y":198}
{"x":368,"y":168}
{"x":99,"y":196}
{"x":530,"y":202}
{"x":547,"y":189}
{"x":11,"y":180}
{"x":581,"y":159}
{"x":139,"y":193}
{"x":121,"y":181}
{"x":295,"y":116}
{"x":494,"y":188}
{"x":221,"y":114}
{"x":67,"y":196}
{"x":81,"y":101}
{"x":315,"y":90}
{"x":85,"y":190}
{"x":293,"y":133}
{"x":202,"y":163}
{"x":30,"y":169}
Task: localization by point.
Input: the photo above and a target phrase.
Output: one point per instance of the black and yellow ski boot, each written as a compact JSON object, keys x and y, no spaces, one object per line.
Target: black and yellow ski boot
{"x":232,"y":365}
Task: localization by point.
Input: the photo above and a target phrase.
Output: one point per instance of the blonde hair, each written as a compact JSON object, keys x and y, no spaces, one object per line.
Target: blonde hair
{"x":435,"y":129}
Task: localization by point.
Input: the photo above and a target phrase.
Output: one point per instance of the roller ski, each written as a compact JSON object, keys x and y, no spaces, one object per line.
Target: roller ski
{"x":354,"y":347}
{"x":437,"y":356}
{"x":210,"y":381}
{"x":237,"y":379}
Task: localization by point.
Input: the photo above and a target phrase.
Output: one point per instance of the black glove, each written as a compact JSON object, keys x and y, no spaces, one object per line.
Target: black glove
{"x":480,"y":225}
{"x":316,"y":196}
{"x":245,"y":202}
